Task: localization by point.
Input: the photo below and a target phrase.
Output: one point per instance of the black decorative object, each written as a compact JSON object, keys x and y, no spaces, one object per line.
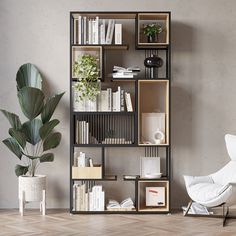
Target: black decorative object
{"x":153,"y":63}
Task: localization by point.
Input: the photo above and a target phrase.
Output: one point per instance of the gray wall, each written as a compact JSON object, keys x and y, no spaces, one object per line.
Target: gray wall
{"x":203,"y":88}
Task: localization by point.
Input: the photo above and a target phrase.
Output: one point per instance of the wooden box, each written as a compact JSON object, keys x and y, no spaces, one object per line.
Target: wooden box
{"x":87,"y":172}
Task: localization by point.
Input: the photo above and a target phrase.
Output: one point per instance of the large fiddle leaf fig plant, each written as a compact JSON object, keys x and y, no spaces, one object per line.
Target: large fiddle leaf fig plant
{"x":31,"y":141}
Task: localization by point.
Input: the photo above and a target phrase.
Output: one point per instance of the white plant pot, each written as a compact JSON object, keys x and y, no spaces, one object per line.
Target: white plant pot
{"x":31,"y":188}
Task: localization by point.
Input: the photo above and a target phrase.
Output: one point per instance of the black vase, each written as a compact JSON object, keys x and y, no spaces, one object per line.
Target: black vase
{"x":154,"y":62}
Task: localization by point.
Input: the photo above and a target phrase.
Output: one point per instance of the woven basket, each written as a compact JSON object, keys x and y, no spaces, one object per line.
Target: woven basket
{"x":32,"y":187}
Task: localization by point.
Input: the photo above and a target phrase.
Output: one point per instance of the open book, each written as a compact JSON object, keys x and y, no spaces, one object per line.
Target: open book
{"x":126,"y":204}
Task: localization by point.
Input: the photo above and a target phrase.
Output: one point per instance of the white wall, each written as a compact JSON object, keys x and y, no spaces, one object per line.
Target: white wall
{"x":203,"y":88}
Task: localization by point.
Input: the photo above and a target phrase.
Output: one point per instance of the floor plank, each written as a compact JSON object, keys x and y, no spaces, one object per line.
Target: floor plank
{"x":60,"y":222}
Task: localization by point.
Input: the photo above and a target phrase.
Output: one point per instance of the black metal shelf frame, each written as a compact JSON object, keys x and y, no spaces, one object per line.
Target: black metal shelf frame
{"x":73,"y":115}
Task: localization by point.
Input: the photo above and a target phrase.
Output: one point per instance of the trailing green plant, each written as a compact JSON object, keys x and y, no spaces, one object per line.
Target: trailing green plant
{"x":86,"y":71}
{"x":30,"y":141}
{"x":151,"y":30}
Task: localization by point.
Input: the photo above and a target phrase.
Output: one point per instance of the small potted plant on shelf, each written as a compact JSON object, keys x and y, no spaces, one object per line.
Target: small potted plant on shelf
{"x":86,"y":70}
{"x":152,"y":31}
{"x":31,"y":140}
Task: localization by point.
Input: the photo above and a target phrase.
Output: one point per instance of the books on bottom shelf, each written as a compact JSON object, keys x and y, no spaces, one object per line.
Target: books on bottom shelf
{"x":88,"y":199}
{"x":125,"y":205}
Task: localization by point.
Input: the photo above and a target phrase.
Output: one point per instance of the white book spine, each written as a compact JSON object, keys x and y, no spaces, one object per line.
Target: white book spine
{"x":114,"y":101}
{"x":97,"y":30}
{"x":85,"y":29}
{"x":128,"y":102}
{"x":74,"y":197}
{"x":78,"y":198}
{"x":75,"y":31}
{"x":122,"y":105}
{"x":90,"y":31}
{"x":91,"y":201}
{"x":87,"y":133}
{"x":108,"y":31}
{"x":80,"y":30}
{"x":110,"y":37}
{"x":103,"y":32}
{"x":94,"y":32}
{"x":118,"y":99}
{"x":118,"y":33}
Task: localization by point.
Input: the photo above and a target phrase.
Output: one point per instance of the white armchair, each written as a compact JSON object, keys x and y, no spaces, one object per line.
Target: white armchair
{"x":218,"y":188}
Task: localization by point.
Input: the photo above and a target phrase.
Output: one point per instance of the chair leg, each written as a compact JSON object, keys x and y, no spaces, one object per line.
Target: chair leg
{"x":225,"y":215}
{"x":188,"y":207}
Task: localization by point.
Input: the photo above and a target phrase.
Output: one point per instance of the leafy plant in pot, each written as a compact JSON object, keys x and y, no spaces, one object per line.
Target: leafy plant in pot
{"x":151,"y":31}
{"x":86,"y":71}
{"x":30,"y":141}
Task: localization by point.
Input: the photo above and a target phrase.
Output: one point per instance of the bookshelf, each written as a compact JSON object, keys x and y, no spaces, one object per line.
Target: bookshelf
{"x":134,"y":112}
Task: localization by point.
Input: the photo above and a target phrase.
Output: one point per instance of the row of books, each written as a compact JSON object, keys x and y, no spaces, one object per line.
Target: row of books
{"x":88,"y":199}
{"x":96,"y":31}
{"x":107,"y":100}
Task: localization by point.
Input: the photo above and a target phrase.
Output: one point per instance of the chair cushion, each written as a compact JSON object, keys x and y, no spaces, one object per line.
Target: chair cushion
{"x":205,"y":192}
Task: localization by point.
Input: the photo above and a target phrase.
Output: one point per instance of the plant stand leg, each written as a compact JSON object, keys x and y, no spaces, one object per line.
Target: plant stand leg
{"x":44,"y":203}
{"x":22,"y":203}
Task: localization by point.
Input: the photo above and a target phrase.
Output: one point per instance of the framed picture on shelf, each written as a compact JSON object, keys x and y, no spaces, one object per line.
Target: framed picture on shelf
{"x":155,"y":196}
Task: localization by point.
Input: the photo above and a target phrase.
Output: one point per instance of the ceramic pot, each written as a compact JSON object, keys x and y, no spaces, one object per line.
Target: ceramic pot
{"x":32,"y":187}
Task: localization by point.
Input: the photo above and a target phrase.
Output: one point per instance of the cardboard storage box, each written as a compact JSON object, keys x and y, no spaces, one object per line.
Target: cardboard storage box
{"x":87,"y":172}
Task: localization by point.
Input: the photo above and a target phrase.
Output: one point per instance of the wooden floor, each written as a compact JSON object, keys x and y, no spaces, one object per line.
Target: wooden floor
{"x":60,"y":222}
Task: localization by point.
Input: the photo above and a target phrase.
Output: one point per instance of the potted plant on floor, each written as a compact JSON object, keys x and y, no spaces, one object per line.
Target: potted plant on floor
{"x":31,"y":140}
{"x":87,"y":86}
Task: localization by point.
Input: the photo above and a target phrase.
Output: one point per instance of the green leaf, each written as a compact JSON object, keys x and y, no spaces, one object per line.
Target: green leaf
{"x":13,"y":146}
{"x":28,"y":76}
{"x":52,"y":141}
{"x":47,"y":157}
{"x":13,"y":119}
{"x":31,"y":101}
{"x":47,"y":128}
{"x":31,"y":130}
{"x":21,"y":170}
{"x":18,"y":136}
{"x":50,"y":107}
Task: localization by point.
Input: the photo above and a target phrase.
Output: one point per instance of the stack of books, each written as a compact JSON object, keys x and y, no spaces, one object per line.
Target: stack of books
{"x":125,"y":205}
{"x":96,"y":31}
{"x":121,"y":72}
{"x":107,"y":100}
{"x":88,"y":199}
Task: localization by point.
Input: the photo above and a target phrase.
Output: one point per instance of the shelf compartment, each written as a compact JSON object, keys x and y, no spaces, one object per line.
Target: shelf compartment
{"x":153,"y":195}
{"x":162,"y":39}
{"x":104,"y":129}
{"x":105,"y":178}
{"x":95,"y":51}
{"x":153,"y":112}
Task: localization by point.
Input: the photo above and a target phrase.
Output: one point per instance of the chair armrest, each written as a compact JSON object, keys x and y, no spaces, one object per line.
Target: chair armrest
{"x":191,"y":180}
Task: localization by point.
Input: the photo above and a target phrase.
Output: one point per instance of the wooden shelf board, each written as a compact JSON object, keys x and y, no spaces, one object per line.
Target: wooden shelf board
{"x":106,"y":15}
{"x":103,"y":113}
{"x":164,"y":178}
{"x":105,"y":145}
{"x":106,"y":178}
{"x":105,"y":212}
{"x":105,"y":46}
